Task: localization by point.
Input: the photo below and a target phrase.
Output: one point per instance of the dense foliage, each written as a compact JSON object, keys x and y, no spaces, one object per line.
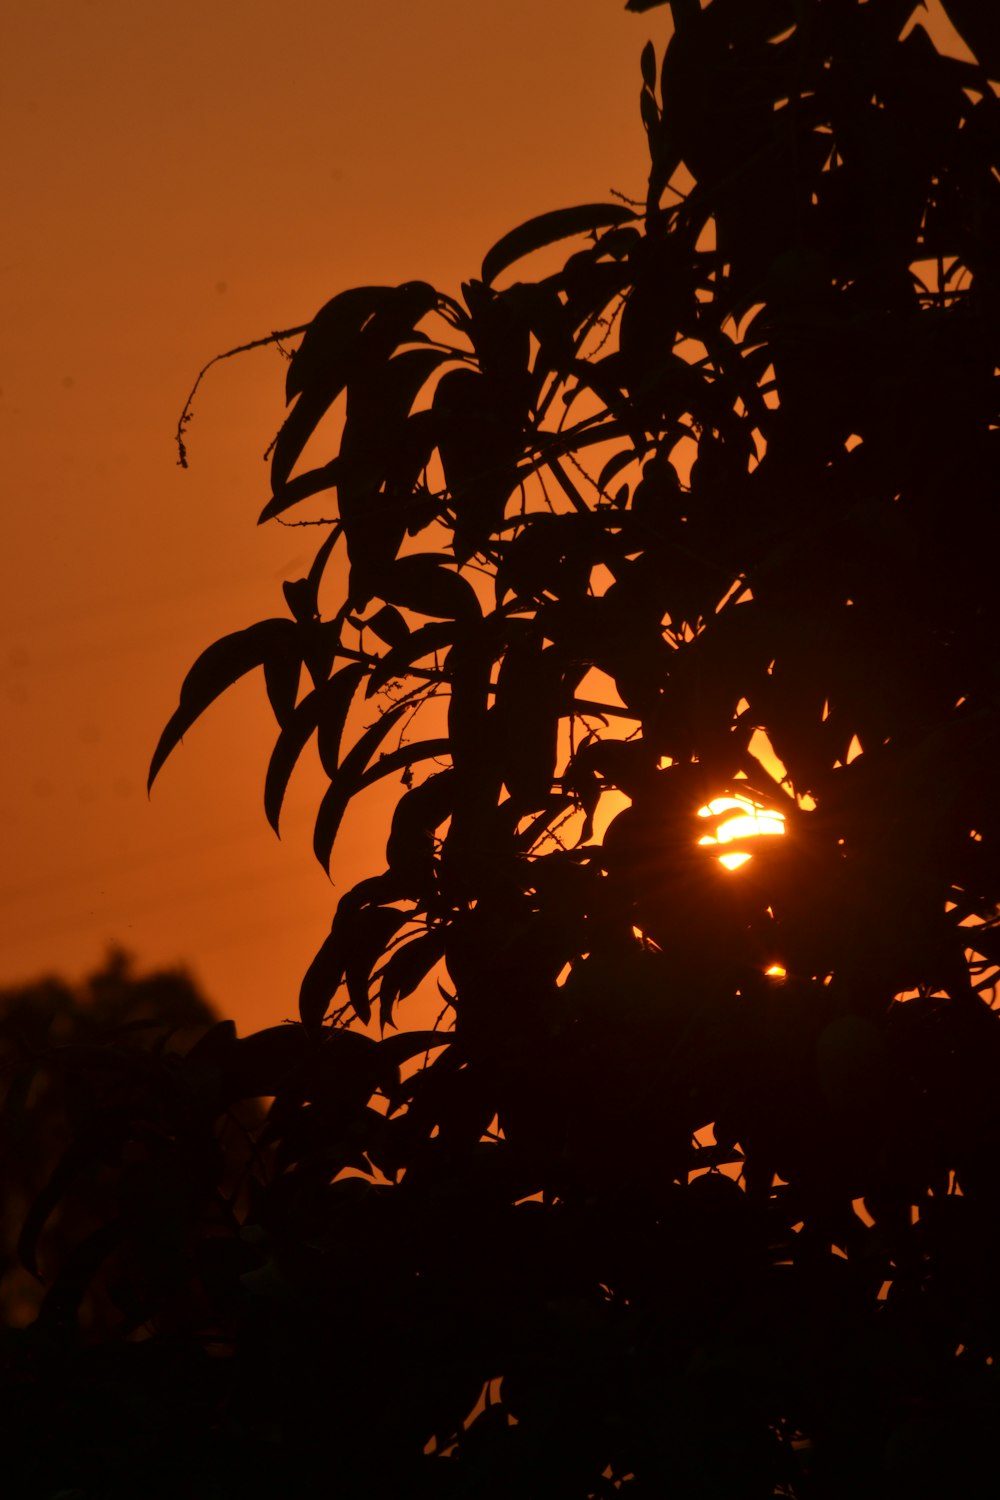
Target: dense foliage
{"x":694,"y":1190}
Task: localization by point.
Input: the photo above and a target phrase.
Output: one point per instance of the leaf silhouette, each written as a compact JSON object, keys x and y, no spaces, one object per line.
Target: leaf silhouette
{"x":410,"y":846}
{"x":345,"y":781}
{"x":404,"y":758}
{"x":407,"y":967}
{"x":354,"y":334}
{"x":425,"y":641}
{"x":332,"y":709}
{"x":216,"y":669}
{"x":282,"y":672}
{"x":324,"y":709}
{"x":647,"y":65}
{"x":547,"y":229}
{"x":388,"y":624}
{"x":365,"y":938}
{"x":356,"y":938}
{"x":313,"y":482}
{"x":428,"y":587}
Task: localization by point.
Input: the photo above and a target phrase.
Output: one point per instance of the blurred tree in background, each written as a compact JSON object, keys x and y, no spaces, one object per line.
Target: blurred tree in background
{"x":63,"y":1049}
{"x":652,"y":550}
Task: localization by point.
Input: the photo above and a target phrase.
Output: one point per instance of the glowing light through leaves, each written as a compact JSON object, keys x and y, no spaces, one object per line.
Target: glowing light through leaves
{"x":748,"y":821}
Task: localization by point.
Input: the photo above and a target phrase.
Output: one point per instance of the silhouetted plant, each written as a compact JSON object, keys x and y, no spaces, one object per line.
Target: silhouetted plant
{"x":705,"y":511}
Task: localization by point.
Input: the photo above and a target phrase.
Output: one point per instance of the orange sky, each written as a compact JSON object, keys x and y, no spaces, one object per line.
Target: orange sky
{"x":178,"y":178}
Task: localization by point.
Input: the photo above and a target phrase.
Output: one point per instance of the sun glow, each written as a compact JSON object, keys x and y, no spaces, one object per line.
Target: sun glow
{"x":747,"y":820}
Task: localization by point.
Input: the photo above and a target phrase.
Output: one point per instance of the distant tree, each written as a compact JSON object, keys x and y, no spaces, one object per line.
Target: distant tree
{"x":695,"y":1190}
{"x":64,"y":1049}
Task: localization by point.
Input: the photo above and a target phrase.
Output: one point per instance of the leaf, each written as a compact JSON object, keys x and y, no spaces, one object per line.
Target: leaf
{"x":319,"y":370}
{"x":322,"y":345}
{"x":396,"y":1050}
{"x":282,"y":671}
{"x":500,"y":330}
{"x":480,"y":440}
{"x":407,"y":968}
{"x":308,"y":600}
{"x":366,"y":934}
{"x":216,"y":669}
{"x":425,"y":586}
{"x":348,"y":339}
{"x":388,"y":624}
{"x":216,"y":1043}
{"x":548,"y":228}
{"x":426,"y":640}
{"x":327,"y":706}
{"x":403,"y":759}
{"x":346,"y":780}
{"x":647,"y":64}
{"x":551,"y":554}
{"x":258,"y":1065}
{"x":357,"y":937}
{"x":300,"y":488}
{"x":334,"y":705}
{"x":418,"y":814}
{"x":530,"y":699}
{"x":614,"y":465}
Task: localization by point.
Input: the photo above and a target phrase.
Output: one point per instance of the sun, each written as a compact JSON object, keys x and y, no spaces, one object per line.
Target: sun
{"x":748,"y":820}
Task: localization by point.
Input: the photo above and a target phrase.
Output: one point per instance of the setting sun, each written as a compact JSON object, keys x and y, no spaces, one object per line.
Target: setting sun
{"x":747,"y":820}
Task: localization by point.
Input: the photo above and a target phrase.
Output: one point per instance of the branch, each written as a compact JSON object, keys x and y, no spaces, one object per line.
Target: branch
{"x":186,"y":414}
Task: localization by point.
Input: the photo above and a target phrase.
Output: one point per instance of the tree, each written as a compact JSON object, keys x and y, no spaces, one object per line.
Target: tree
{"x":61,"y":1048}
{"x":695,"y":1191}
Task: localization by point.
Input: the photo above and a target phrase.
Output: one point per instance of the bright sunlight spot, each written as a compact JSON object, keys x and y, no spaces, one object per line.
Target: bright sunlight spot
{"x":748,"y":820}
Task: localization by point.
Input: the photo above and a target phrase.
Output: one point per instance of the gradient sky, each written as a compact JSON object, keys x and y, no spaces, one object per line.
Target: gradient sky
{"x":179,"y":178}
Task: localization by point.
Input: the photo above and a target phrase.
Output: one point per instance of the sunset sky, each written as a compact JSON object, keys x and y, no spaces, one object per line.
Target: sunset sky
{"x":178,"y":179}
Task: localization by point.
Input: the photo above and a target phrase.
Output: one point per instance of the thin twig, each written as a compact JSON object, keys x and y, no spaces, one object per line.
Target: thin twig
{"x":186,"y":414}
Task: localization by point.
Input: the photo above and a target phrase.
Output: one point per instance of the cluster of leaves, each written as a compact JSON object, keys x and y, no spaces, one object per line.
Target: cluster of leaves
{"x":731,"y":468}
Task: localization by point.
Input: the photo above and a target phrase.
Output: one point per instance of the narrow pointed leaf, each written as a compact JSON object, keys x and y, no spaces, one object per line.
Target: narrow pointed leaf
{"x":312,"y":482}
{"x":323,"y":344}
{"x":350,"y":339}
{"x":334,"y":698}
{"x":346,"y":781}
{"x":407,"y":968}
{"x":423,"y":642}
{"x":282,"y":672}
{"x":216,"y":669}
{"x":549,"y":228}
{"x":405,"y":756}
{"x":334,"y":704}
{"x":366,"y":937}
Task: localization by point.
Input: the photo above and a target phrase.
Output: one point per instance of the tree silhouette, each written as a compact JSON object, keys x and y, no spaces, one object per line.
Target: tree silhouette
{"x":694,"y":1190}
{"x":63,"y":1048}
